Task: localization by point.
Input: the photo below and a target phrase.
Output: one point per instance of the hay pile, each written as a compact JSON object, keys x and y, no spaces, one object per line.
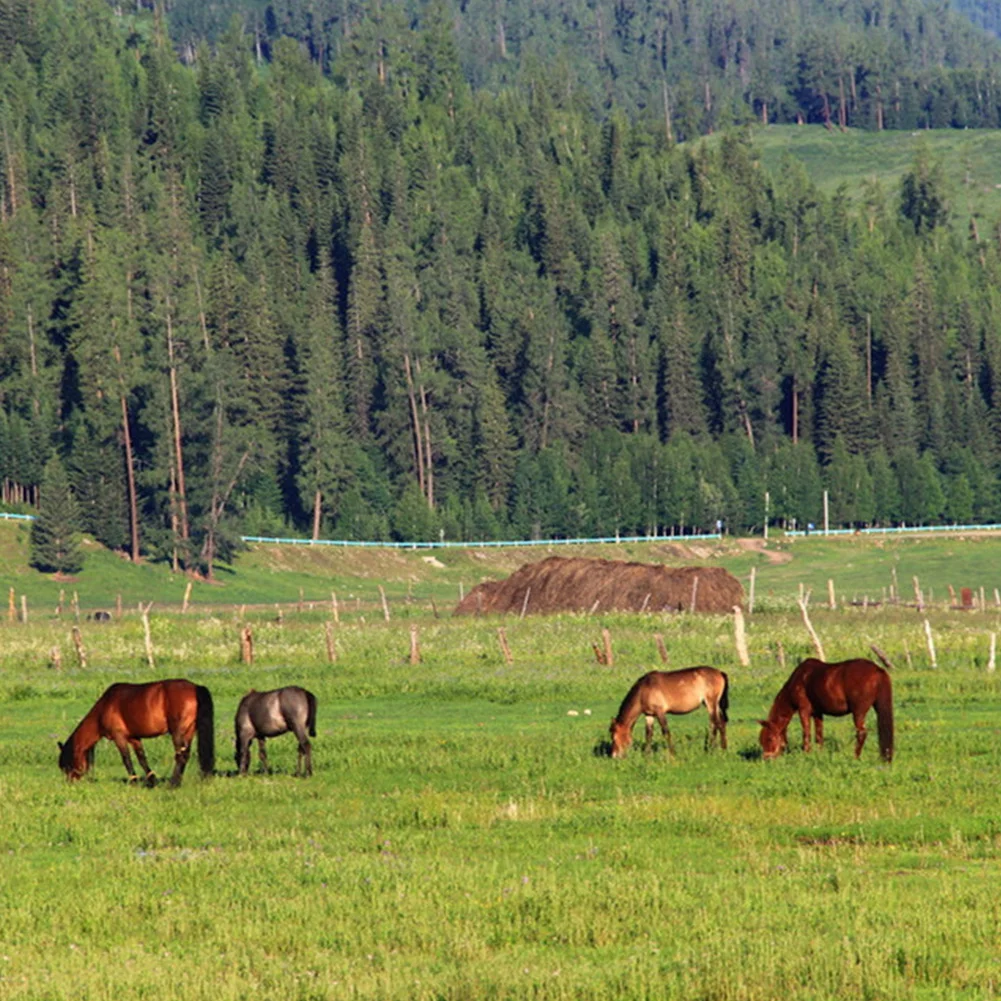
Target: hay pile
{"x":581,"y":585}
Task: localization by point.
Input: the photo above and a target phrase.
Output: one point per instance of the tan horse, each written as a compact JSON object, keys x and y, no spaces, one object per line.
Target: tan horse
{"x":660,"y":693}
{"x":816,"y":689}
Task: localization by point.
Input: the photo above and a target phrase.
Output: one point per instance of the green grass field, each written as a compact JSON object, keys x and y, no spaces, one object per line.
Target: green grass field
{"x":461,"y":838}
{"x":970,"y":160}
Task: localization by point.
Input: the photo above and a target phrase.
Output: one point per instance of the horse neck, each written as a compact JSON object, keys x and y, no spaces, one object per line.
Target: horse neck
{"x":85,"y":736}
{"x":782,"y":710}
{"x":630,"y":709}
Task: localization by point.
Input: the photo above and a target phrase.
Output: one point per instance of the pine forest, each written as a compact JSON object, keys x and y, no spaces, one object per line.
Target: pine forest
{"x":482,"y":271}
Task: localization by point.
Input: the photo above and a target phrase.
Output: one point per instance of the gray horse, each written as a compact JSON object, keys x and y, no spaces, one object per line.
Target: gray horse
{"x":269,"y":714}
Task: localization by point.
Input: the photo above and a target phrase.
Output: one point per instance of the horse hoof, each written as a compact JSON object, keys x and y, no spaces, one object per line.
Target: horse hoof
{"x":151,"y":780}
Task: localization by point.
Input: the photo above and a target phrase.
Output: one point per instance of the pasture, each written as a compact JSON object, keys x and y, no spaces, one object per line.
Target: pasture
{"x":461,"y":839}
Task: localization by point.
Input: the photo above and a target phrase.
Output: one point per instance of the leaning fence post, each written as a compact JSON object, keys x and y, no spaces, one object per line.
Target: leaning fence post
{"x":524,"y":604}
{"x":187,"y":597}
{"x":328,"y":629}
{"x":333,"y":607}
{"x":661,"y":648}
{"x":505,"y":649}
{"x":817,"y":645}
{"x":385,"y":604}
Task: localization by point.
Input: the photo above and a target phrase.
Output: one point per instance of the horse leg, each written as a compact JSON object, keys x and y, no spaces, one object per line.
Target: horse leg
{"x":182,"y":750}
{"x":264,"y":756}
{"x":122,"y":743}
{"x":648,"y":720}
{"x":243,"y":754}
{"x":804,"y":719}
{"x":136,"y":744}
{"x":662,"y":719}
{"x":860,"y":733}
{"x":818,"y":727}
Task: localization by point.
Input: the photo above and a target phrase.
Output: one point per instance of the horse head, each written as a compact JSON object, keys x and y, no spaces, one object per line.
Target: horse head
{"x":772,"y":739}
{"x":622,"y":737}
{"x":73,"y":765}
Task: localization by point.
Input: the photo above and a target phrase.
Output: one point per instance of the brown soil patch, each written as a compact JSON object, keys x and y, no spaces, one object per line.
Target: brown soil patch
{"x":760,"y":546}
{"x":558,"y":584}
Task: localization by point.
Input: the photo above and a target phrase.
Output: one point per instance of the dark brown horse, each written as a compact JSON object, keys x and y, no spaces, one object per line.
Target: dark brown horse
{"x":660,"y":693}
{"x":127,"y":714}
{"x":816,"y":689}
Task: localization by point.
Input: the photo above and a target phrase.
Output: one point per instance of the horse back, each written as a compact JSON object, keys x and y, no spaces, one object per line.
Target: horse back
{"x":844,"y":687}
{"x":681,"y":691}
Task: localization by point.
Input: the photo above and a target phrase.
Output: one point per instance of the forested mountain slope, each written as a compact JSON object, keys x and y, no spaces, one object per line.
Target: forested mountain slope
{"x":255,"y":297}
{"x":696,"y":65}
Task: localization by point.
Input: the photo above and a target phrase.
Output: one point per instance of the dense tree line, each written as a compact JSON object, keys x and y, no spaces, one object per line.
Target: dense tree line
{"x":693,"y":65}
{"x":260,"y":298}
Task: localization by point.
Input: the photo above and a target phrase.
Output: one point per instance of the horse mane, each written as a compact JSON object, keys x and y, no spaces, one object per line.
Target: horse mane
{"x":632,"y":696}
{"x":66,"y":752}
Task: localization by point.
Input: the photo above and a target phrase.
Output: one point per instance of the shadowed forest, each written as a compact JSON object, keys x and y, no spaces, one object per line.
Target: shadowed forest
{"x":382,"y":282}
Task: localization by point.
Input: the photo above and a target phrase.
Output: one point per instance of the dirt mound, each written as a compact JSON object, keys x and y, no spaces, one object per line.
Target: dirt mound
{"x":558,"y":584}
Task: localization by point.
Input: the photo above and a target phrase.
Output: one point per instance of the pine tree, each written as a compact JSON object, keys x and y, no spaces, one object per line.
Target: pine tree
{"x":55,"y":545}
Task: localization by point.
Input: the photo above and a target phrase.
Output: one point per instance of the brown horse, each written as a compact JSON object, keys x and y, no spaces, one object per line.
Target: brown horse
{"x":127,"y":714}
{"x":676,"y":692}
{"x":816,"y":689}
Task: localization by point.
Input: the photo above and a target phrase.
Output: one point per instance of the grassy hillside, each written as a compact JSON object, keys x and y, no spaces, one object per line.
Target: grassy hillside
{"x":970,"y":159}
{"x":412,"y":579}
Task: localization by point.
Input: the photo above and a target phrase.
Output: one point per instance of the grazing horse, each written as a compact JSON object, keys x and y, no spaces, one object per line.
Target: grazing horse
{"x":816,"y":689}
{"x":127,"y":714}
{"x":269,"y":714}
{"x":677,"y":692}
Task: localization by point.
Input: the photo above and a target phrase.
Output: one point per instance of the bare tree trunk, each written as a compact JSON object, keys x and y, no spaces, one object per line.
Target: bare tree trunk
{"x":317,"y":509}
{"x":418,"y":441}
{"x":131,"y":478}
{"x":182,"y":497}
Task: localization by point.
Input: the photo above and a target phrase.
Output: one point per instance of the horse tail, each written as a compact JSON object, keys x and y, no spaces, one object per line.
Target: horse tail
{"x":311,"y":714}
{"x":724,"y":699}
{"x":205,"y":727}
{"x":884,"y":715}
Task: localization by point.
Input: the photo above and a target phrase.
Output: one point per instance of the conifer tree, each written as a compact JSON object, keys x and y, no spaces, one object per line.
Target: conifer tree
{"x":55,"y":545}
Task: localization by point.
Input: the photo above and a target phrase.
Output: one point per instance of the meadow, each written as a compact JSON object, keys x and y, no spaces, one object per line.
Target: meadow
{"x":463,"y":836}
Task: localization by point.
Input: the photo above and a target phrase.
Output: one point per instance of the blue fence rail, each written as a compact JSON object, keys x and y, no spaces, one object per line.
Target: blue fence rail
{"x":5,"y":516}
{"x":897,"y":530}
{"x":449,"y":544}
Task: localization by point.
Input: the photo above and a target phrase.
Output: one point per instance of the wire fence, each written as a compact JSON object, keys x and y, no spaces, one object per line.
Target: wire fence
{"x":492,"y":543}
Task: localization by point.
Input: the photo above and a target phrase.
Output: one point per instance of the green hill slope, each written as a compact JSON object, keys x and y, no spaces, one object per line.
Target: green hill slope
{"x":414,"y":579}
{"x":970,"y":160}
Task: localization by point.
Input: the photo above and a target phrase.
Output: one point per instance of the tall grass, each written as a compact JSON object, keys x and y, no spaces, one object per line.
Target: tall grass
{"x":462,"y":839}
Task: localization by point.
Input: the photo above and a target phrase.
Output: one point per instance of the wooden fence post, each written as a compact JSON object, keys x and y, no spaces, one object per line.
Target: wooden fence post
{"x":832,"y":603}
{"x":334,"y":609}
{"x":661,"y":648}
{"x":750,"y":596}
{"x":817,"y":645}
{"x":607,"y":637}
{"x":56,"y":658}
{"x":118,"y":606}
{"x":931,"y":644}
{"x":415,"y":645}
{"x":328,"y":629}
{"x":695,"y":593}
{"x":994,"y":643}
{"x":524,"y":604}
{"x":246,"y":645}
{"x":187,"y":597}
{"x":144,"y":611}
{"x":780,"y":654}
{"x":919,"y":598}
{"x":11,"y":606}
{"x":385,"y":604}
{"x":24,"y":609}
{"x":81,"y":653}
{"x":882,"y":656}
{"x":505,"y":649}
{"x":739,"y":637}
